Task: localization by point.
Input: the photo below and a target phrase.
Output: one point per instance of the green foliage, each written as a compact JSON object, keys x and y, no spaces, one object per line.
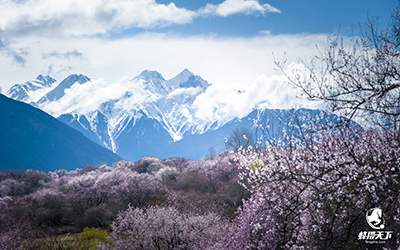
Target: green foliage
{"x":88,"y":239}
{"x":93,"y":237}
{"x":58,"y":242}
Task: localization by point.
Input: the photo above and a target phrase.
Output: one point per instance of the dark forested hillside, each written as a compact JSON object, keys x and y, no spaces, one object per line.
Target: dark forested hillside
{"x":32,"y":139}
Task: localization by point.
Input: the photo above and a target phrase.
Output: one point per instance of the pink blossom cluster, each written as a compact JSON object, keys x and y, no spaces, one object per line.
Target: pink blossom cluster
{"x":314,"y":195}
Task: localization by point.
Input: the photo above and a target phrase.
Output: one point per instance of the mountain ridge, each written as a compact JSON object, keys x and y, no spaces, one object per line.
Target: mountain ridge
{"x":20,"y":92}
{"x":59,"y":91}
{"x":144,"y":115}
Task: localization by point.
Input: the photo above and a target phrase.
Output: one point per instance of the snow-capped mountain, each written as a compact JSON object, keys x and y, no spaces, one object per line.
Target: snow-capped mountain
{"x":146,"y":115}
{"x":137,"y":117}
{"x":58,"y":92}
{"x":26,"y":92}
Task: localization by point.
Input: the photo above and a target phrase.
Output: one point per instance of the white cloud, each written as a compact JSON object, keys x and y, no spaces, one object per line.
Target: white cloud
{"x":180,"y":91}
{"x":265,"y":32}
{"x":76,"y":17}
{"x":236,"y":62}
{"x":17,"y":55}
{"x":61,"y":55}
{"x":232,"y":7}
{"x":228,"y":63}
{"x":85,"y":18}
{"x":87,"y":97}
{"x":219,"y":103}
{"x":272,"y":92}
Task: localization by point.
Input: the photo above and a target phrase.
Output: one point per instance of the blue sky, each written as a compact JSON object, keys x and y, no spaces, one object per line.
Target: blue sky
{"x":230,"y":43}
{"x":296,"y":16}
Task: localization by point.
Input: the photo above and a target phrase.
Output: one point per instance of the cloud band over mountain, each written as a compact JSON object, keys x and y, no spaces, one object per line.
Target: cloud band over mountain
{"x":231,"y":43}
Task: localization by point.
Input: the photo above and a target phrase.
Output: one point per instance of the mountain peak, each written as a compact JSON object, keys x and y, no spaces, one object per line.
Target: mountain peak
{"x":40,"y":77}
{"x":20,"y":91}
{"x":186,"y":72}
{"x":149,"y":74}
{"x":45,"y":81}
{"x":71,"y":79}
{"x":186,"y":79}
{"x":58,"y":92}
{"x":155,"y":82}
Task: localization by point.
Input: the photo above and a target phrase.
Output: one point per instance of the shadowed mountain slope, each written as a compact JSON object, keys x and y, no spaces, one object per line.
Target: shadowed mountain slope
{"x":32,"y":139}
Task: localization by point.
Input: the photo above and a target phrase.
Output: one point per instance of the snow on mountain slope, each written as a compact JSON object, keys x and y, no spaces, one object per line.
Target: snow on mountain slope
{"x":31,"y":91}
{"x":175,"y":108}
{"x":187,"y":79}
{"x":145,"y":115}
{"x":130,"y":112}
{"x":58,"y":92}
